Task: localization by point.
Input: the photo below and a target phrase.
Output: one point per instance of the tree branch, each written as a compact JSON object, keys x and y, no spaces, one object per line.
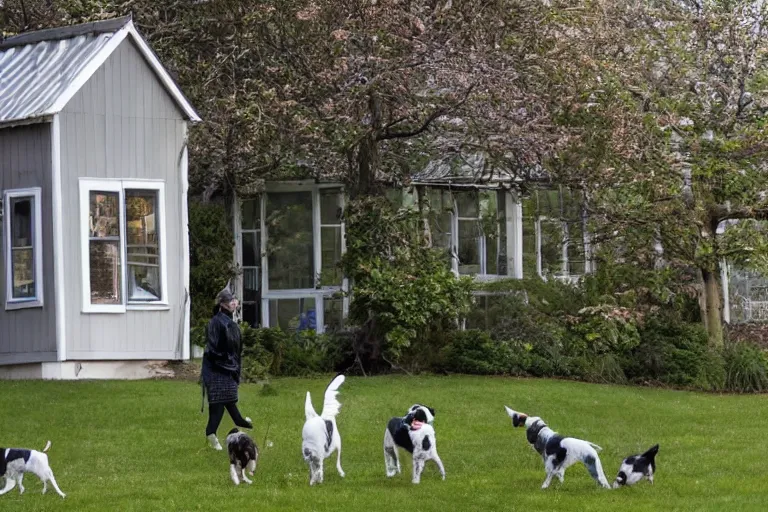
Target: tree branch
{"x":387,"y":135}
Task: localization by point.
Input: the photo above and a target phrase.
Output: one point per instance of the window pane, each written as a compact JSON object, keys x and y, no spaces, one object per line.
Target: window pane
{"x":143,"y":247}
{"x":289,"y":231}
{"x":330,"y":207}
{"x":529,"y":247}
{"x":575,"y":248}
{"x":466,"y":203}
{"x":251,"y":214}
{"x":330,"y":238}
{"x":105,"y":272}
{"x":469,"y":247}
{"x":293,"y":314}
{"x":552,"y":239}
{"x":251,"y":284}
{"x":493,"y":228}
{"x":22,"y":251}
{"x":250,"y":313}
{"x":104,"y":214}
{"x":333,"y":310}
{"x":251,"y":249}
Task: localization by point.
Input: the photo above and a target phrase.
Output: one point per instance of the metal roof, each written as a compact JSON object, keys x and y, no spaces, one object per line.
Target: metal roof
{"x":41,"y":71}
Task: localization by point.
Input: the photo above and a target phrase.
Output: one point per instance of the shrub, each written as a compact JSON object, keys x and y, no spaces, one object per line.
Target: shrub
{"x":746,"y":368}
{"x":210,"y":244}
{"x":675,"y":354}
{"x":475,"y":352}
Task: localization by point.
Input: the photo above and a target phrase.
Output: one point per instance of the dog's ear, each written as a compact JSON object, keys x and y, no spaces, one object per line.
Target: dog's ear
{"x":233,"y":431}
{"x":518,"y":420}
{"x":408,"y":418}
{"x":431,"y":411}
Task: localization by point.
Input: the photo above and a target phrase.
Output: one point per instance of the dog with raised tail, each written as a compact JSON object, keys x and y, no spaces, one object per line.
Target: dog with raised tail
{"x":559,"y":453}
{"x":636,"y":467}
{"x":14,"y":462}
{"x":320,"y":435}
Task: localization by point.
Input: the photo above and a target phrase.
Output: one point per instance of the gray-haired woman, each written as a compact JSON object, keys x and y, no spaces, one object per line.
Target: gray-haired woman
{"x":221,"y":367}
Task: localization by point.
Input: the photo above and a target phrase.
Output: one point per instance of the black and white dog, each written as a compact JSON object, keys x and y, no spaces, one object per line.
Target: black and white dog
{"x":14,"y":462}
{"x":636,"y":467}
{"x":320,"y":435}
{"x":243,"y":456}
{"x":559,"y":452}
{"x":413,"y":433}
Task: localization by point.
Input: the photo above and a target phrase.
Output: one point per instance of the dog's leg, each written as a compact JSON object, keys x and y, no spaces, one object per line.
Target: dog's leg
{"x":439,"y":463}
{"x":10,"y":483}
{"x":49,"y":475}
{"x":251,"y":466}
{"x":548,"y":480}
{"x":233,"y":474}
{"x":650,"y":475}
{"x":418,"y":467}
{"x":45,"y":486}
{"x":243,"y":476}
{"x":595,"y":468}
{"x":21,"y":484}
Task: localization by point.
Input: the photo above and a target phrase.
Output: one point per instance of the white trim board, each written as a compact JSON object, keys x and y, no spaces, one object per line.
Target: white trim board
{"x":58,"y":240}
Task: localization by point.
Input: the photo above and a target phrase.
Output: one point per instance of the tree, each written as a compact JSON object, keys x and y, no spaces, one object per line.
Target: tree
{"x":671,"y":112}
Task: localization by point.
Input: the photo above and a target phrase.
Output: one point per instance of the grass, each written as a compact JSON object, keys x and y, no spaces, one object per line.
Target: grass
{"x":140,"y":446}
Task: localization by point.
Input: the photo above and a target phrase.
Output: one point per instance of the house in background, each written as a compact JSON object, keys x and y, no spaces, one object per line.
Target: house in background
{"x":94,"y":272}
{"x":290,"y":236}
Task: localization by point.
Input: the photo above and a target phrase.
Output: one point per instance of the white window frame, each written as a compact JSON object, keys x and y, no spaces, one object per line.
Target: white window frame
{"x":35,"y":193}
{"x":319,"y":294}
{"x":120,"y":186}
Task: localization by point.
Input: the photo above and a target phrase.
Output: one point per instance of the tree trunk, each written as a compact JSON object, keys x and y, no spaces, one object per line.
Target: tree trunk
{"x":713,"y":320}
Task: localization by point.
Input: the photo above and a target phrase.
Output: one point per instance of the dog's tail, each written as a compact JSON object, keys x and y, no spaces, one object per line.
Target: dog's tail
{"x":593,"y":445}
{"x":331,"y":405}
{"x":651,"y":453}
{"x":309,"y":411}
{"x":47,"y":447}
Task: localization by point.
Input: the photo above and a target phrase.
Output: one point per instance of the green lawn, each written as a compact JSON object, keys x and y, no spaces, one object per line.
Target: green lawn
{"x":140,"y":446}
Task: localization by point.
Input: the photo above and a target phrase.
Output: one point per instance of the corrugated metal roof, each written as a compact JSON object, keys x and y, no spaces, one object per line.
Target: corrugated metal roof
{"x":41,"y":70}
{"x":33,"y":76}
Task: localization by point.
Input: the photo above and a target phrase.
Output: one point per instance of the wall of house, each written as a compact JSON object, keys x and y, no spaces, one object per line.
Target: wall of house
{"x":29,"y":335}
{"x":123,"y":124}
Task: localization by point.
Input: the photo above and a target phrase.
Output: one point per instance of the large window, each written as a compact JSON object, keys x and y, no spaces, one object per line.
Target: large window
{"x":470,"y":225}
{"x":554,"y":241}
{"x":291,"y":244}
{"x":22,"y":228}
{"x":123,"y":245}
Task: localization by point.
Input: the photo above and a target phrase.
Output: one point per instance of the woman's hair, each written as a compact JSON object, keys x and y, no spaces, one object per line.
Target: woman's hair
{"x":216,"y":309}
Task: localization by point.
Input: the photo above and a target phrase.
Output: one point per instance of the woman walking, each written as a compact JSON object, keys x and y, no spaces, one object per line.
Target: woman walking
{"x":221,"y":366}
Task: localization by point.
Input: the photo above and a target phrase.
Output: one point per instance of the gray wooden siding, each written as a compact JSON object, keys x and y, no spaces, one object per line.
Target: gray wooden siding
{"x":122,"y":124}
{"x":29,"y":335}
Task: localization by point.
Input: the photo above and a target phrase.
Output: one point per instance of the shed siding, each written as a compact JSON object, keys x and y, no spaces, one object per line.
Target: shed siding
{"x":29,"y":335}
{"x":122,"y":124}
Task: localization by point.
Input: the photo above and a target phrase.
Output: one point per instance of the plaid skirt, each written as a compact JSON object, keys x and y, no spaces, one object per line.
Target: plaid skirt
{"x":220,"y":388}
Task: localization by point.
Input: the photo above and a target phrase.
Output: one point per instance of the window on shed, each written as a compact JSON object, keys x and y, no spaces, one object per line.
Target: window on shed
{"x":23,"y":242}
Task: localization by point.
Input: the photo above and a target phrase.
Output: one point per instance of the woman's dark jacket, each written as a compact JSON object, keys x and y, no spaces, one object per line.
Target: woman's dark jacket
{"x":220,"y":374}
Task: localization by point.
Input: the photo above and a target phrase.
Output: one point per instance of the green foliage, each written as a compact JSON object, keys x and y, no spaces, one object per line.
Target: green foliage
{"x":475,"y":352}
{"x":675,"y":354}
{"x":210,"y":246}
{"x":278,"y":353}
{"x":746,"y":368}
{"x":402,"y":288}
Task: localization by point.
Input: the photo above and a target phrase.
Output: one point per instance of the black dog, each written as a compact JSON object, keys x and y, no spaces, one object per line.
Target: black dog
{"x":635,"y":467}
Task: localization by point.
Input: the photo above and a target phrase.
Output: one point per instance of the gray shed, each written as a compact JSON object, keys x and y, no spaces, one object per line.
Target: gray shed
{"x":94,"y":270}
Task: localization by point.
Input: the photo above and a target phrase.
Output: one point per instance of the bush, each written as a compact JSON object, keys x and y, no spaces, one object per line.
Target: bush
{"x":475,"y":352}
{"x":275,"y":352}
{"x":676,"y":354}
{"x":210,"y":245}
{"x":746,"y":368}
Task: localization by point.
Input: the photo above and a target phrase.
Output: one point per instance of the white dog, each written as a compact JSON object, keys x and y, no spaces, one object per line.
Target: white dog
{"x":559,"y":453}
{"x":15,"y":462}
{"x":413,"y":433}
{"x":320,"y":434}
